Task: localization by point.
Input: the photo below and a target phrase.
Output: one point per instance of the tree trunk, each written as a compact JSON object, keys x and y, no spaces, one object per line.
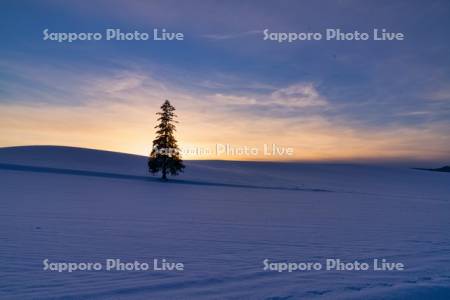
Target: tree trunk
{"x":164,"y":170}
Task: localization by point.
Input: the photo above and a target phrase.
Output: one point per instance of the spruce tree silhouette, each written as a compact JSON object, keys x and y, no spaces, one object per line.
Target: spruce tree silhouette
{"x":165,"y":156}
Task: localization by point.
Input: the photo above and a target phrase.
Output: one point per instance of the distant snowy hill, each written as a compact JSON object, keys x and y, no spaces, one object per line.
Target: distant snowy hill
{"x":442,"y":169}
{"x":221,"y":219}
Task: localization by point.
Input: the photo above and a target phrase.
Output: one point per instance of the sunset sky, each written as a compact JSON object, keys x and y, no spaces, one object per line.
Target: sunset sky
{"x":329,"y":100}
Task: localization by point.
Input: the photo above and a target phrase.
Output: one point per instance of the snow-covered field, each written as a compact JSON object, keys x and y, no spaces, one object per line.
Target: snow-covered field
{"x":221,"y":220}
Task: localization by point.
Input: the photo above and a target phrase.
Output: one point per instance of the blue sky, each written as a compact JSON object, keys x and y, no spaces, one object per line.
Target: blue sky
{"x":383,"y":99}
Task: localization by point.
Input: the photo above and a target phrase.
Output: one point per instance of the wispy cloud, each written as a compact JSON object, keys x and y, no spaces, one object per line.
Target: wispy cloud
{"x":299,"y":95}
{"x":441,"y":94}
{"x":116,"y":111}
{"x":228,"y":36}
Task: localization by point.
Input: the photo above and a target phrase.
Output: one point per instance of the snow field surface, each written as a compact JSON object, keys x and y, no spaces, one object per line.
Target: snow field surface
{"x":221,"y":220}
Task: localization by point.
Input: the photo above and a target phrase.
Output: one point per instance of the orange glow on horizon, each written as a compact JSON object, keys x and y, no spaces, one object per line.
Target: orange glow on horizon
{"x":124,"y":128}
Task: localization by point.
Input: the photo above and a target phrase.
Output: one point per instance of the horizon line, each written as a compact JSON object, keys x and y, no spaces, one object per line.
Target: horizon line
{"x":357,"y":161}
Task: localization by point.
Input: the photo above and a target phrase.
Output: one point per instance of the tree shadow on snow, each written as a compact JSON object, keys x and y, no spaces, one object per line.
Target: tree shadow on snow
{"x":35,"y":169}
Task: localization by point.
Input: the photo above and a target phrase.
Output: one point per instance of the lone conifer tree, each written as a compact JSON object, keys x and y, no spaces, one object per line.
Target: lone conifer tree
{"x":165,"y":155}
